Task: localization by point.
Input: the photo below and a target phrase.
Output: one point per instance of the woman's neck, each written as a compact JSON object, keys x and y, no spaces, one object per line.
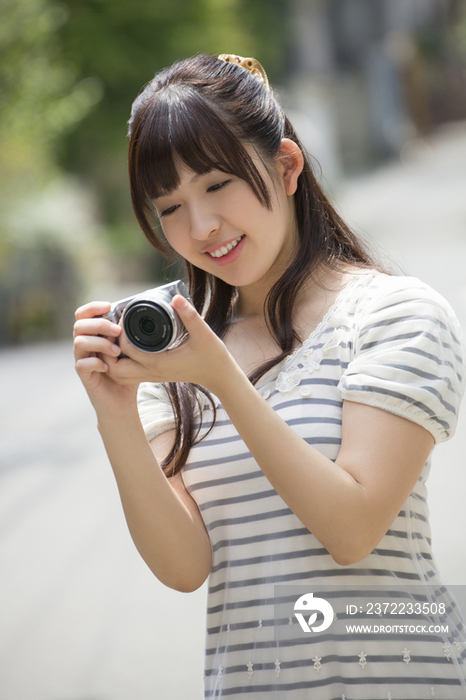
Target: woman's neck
{"x":312,"y":301}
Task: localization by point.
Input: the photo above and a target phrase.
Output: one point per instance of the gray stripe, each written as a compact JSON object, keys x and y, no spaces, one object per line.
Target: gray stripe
{"x":213,"y":442}
{"x":250,"y":518}
{"x":426,"y":409}
{"x":357,"y":620}
{"x":399,"y":554}
{"x":423,"y":300}
{"x":434,"y":358}
{"x":408,"y":336}
{"x":219,"y":460}
{"x":403,"y":319}
{"x":306,"y":402}
{"x":280,"y":556}
{"x":302,"y":576}
{"x":290,"y":687}
{"x":425,"y":375}
{"x":451,"y":409}
{"x":413,"y":514}
{"x":417,"y":496}
{"x":270,"y":515}
{"x":404,"y":535}
{"x":331,"y":658}
{"x":237,"y":499}
{"x":403,"y":397}
{"x":266,"y":537}
{"x":329,"y":362}
{"x":226,"y":480}
{"x":400,"y":336}
{"x":316,"y":421}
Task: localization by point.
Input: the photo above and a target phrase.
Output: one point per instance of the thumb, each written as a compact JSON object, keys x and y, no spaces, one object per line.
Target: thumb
{"x":187,"y":313}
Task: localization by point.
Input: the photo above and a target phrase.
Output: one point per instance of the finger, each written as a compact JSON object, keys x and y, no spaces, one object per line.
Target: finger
{"x":88,"y":365}
{"x":96,"y":326}
{"x":94,"y":308}
{"x":125,"y":370}
{"x":193,"y":322}
{"x":126,"y":347}
{"x":85,"y":345}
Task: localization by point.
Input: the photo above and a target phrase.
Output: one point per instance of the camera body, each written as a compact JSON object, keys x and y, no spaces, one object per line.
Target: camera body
{"x":149,"y":321}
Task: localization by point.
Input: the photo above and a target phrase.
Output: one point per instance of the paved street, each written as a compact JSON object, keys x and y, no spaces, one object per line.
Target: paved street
{"x":81,"y":616}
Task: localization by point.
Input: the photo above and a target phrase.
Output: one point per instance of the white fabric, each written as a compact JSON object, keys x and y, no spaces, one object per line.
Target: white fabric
{"x":390,"y":342}
{"x":155,"y":409}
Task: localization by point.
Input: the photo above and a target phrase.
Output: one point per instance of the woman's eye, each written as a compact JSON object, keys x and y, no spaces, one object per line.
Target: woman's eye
{"x":218,"y":186}
{"x":168,"y":211}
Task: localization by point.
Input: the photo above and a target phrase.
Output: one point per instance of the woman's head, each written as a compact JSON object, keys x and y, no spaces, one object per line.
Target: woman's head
{"x":201,"y":113}
{"x":205,"y":114}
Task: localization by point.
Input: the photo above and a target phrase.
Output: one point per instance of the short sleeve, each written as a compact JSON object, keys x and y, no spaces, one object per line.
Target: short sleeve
{"x":408,"y":356}
{"x":155,"y":409}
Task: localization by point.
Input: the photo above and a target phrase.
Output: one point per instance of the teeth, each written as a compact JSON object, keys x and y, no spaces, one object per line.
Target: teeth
{"x":225,"y":248}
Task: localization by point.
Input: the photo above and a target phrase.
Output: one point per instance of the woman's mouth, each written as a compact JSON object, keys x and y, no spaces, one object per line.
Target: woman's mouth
{"x":225,"y":249}
{"x":228,"y":252}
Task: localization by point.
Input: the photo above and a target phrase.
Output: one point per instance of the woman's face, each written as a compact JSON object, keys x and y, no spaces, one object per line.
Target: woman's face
{"x":215,"y":222}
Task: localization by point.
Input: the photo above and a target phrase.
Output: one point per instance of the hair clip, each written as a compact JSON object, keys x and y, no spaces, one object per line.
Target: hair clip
{"x":251,"y":65}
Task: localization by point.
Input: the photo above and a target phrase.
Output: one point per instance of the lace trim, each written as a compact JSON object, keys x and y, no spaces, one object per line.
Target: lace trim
{"x":310,"y":358}
{"x":291,"y":376}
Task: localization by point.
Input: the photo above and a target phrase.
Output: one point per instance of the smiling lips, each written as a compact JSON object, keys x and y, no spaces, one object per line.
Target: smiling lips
{"x":224,"y":249}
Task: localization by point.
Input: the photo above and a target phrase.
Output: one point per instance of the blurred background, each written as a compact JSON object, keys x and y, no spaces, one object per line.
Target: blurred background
{"x":365,"y":80}
{"x":377,"y":91}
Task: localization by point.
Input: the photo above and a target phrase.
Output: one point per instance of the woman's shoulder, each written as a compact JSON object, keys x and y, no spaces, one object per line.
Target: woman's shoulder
{"x":383,"y":306}
{"x":375,"y":291}
{"x":405,"y":352}
{"x":380,"y":282}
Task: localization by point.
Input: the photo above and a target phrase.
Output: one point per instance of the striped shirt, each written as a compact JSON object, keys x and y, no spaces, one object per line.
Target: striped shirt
{"x":388,"y":342}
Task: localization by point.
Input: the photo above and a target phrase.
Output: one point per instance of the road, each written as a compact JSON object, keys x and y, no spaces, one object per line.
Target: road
{"x":81,"y":616}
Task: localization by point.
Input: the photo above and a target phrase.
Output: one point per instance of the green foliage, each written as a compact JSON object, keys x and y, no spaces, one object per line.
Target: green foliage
{"x":123,"y":44}
{"x":41,"y":96}
{"x":69,"y":71}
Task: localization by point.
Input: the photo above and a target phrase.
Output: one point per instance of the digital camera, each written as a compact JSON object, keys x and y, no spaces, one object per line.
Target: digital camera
{"x":149,"y":321}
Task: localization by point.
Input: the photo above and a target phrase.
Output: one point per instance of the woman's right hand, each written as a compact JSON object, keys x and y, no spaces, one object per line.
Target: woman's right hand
{"x":95,"y":349}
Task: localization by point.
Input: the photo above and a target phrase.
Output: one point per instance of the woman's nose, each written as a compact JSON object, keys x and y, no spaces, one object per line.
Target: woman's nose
{"x":204,"y":223}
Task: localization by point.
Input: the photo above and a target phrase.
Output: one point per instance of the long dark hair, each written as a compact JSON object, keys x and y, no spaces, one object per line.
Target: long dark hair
{"x":202,"y":112}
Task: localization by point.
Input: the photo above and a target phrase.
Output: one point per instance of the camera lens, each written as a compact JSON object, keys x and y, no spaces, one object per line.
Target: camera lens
{"x":148,"y":326}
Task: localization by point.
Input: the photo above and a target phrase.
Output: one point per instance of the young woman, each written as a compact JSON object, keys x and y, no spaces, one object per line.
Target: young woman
{"x":287,"y":440}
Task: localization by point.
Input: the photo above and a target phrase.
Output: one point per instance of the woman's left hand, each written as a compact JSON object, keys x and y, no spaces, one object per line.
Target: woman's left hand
{"x":201,"y":359}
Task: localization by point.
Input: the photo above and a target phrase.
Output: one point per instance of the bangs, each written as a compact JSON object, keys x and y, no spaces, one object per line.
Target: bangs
{"x":183,"y":127}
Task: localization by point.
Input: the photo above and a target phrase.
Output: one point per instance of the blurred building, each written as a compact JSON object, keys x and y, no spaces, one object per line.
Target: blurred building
{"x":372,"y":74}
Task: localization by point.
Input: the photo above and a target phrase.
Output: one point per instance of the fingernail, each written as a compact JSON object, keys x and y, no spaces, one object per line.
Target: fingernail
{"x":116,"y":350}
{"x":180,"y":302}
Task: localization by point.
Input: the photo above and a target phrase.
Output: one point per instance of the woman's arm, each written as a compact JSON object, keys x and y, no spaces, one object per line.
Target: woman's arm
{"x":164,"y":521}
{"x":348,"y":504}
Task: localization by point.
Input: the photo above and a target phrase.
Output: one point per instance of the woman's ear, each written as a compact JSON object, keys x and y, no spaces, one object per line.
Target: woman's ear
{"x":292,"y":162}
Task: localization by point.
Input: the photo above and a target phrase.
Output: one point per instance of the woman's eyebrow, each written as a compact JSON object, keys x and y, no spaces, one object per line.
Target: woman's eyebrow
{"x":192,"y":181}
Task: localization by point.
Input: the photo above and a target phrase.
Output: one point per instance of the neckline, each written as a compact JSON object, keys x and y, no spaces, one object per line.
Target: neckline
{"x":356,"y":277}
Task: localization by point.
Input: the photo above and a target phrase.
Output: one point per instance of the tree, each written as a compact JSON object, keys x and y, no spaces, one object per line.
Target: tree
{"x":69,"y":71}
